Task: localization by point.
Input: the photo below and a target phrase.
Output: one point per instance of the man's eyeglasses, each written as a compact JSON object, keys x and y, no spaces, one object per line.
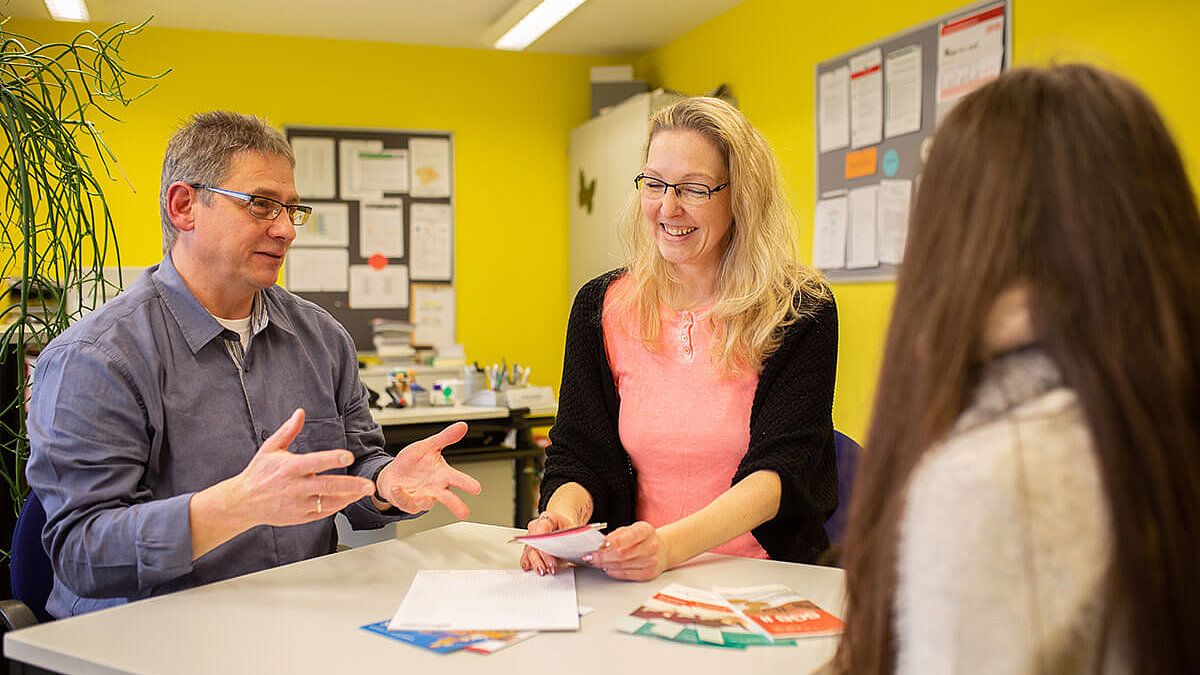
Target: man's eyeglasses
{"x":264,"y":207}
{"x":688,"y":193}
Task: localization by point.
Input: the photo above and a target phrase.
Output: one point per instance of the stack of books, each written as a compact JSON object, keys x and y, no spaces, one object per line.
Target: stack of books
{"x":393,"y":339}
{"x":42,"y":303}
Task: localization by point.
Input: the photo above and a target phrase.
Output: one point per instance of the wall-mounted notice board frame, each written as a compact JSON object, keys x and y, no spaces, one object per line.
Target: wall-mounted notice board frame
{"x":876,"y":109}
{"x":380,"y":242}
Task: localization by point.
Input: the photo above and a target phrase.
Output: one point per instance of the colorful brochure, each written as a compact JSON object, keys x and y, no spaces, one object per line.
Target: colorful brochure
{"x":685,"y":614}
{"x":730,"y":617}
{"x":442,"y":642}
{"x":781,"y":612}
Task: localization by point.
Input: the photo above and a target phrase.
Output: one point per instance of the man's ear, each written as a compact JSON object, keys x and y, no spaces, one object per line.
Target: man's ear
{"x":181,"y":205}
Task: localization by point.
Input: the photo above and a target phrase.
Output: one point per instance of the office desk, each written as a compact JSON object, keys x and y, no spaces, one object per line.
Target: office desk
{"x":493,"y":434}
{"x":304,"y":619}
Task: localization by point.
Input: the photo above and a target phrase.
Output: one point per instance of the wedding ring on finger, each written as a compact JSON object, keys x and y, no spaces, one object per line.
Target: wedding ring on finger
{"x":318,"y":504}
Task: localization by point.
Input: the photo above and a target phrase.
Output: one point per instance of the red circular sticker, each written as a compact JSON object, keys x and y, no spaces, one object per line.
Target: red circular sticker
{"x":377,"y":261}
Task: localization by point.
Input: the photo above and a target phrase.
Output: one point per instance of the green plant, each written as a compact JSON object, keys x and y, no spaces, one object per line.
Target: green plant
{"x":57,"y":231}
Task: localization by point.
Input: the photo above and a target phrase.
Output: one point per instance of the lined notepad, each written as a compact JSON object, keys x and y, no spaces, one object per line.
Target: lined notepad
{"x":488,"y":600}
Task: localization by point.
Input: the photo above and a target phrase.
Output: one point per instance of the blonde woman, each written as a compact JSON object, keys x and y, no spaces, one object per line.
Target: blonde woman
{"x":695,"y":410}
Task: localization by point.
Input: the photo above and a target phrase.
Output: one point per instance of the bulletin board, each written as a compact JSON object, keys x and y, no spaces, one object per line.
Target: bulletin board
{"x":380,"y":241}
{"x":876,"y":110}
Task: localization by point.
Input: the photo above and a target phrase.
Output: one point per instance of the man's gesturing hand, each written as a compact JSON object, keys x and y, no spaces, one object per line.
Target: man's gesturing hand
{"x":419,"y":475}
{"x":277,"y":488}
{"x":281,"y":488}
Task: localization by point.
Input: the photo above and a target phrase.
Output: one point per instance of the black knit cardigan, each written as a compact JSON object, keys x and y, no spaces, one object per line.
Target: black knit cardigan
{"x":791,"y":428}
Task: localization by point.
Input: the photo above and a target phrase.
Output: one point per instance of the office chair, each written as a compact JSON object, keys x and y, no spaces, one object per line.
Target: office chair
{"x":847,"y":463}
{"x":30,"y":571}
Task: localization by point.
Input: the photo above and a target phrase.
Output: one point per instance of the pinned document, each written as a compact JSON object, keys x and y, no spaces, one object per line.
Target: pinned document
{"x":829,"y":233}
{"x":316,"y":270}
{"x":349,"y":158}
{"x":970,"y":54}
{"x":381,"y":228}
{"x":861,"y":244}
{"x":314,"y":172}
{"x":866,"y":98}
{"x":378,"y":288}
{"x":903,"y":91}
{"x":835,"y":109}
{"x":894,"y":198}
{"x":430,"y":165}
{"x":329,"y":225}
{"x":432,"y":243}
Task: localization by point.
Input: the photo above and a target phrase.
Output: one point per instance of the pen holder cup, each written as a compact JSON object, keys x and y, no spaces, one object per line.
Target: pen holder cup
{"x":486,"y":398}
{"x":472,"y":382}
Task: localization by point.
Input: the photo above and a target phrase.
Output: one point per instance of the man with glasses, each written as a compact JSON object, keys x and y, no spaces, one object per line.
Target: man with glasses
{"x":206,"y":423}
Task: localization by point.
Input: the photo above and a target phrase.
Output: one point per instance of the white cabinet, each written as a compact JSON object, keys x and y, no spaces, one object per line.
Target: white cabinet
{"x":606,"y":152}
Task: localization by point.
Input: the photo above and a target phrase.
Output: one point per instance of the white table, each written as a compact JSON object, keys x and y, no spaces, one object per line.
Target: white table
{"x":447,"y":414}
{"x":304,"y":619}
{"x":441,"y":414}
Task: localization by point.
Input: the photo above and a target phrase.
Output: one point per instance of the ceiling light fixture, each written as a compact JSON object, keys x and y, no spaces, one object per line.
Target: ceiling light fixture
{"x":68,"y":10}
{"x":527,"y":21}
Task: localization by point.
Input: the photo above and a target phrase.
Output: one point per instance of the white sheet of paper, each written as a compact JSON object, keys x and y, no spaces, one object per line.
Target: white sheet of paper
{"x":382,"y":171}
{"x":835,"y":109}
{"x":329,"y":225}
{"x":829,"y":233}
{"x":488,"y":600}
{"x":861,"y":245}
{"x":866,"y":98}
{"x":902,"y":81}
{"x":432,"y":312}
{"x":430,"y":239}
{"x":894,"y":196}
{"x":430,"y":161}
{"x":381,"y":228}
{"x":570,"y":544}
{"x":314,"y":167}
{"x":349,"y":169}
{"x":317,"y":269}
{"x":970,"y":54}
{"x":378,"y":289}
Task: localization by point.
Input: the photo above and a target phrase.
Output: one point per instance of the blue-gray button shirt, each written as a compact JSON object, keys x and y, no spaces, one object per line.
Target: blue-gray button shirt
{"x":140,"y":405}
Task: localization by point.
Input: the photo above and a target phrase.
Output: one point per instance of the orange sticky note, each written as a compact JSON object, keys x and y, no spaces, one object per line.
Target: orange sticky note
{"x":860,"y":163}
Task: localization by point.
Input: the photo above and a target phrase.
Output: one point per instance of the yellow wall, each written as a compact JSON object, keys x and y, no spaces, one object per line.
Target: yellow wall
{"x":510,"y":114}
{"x":766,"y":51}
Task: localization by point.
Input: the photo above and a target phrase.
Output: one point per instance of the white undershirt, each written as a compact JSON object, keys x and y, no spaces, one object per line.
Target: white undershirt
{"x":239,"y":326}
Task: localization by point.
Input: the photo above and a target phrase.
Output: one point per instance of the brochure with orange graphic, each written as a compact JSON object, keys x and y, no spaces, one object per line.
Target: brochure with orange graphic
{"x":781,"y":612}
{"x":692,"y":615}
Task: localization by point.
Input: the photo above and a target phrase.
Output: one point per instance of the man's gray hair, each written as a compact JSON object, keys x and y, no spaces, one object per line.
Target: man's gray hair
{"x":201,"y":150}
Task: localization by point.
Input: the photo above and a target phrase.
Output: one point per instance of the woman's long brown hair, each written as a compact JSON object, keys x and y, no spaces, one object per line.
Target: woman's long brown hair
{"x":1067,"y":181}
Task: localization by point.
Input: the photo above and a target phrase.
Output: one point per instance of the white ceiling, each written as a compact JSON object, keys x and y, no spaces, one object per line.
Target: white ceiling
{"x":598,"y":27}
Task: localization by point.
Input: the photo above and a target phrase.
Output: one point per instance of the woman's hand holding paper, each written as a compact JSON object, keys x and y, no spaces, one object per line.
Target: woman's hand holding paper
{"x":636,"y":552}
{"x":539,"y":561}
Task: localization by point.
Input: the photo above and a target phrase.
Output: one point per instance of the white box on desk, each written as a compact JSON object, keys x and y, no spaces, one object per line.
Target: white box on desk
{"x":529,"y":397}
{"x":516,"y":397}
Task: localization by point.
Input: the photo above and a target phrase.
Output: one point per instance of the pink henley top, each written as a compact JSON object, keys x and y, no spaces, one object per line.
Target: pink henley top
{"x":685,"y":426}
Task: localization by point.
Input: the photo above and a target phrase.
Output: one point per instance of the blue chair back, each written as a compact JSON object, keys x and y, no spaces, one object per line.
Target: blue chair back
{"x":847,"y":463}
{"x":30,"y":571}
